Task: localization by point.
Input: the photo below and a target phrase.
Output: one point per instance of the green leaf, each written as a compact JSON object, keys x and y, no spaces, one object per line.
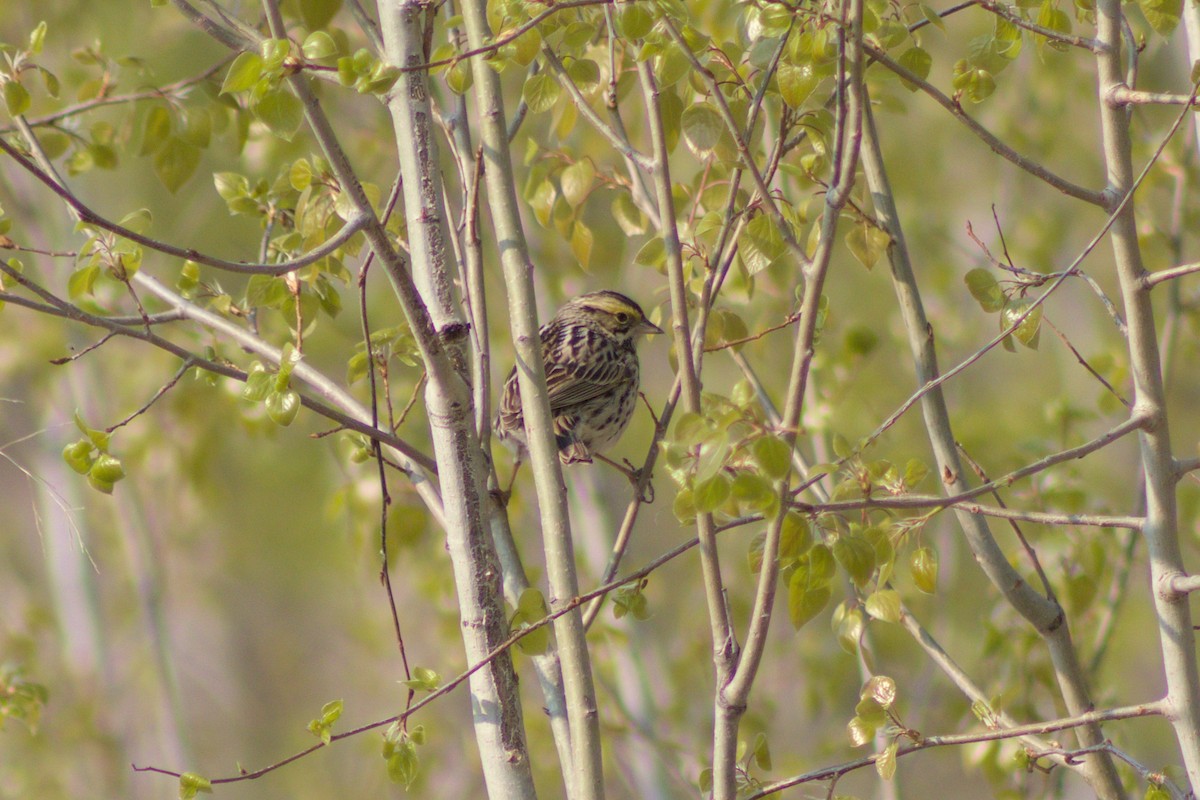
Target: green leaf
{"x":628,"y":216}
{"x":634,"y":20}
{"x":282,"y":407}
{"x":16,"y":98}
{"x":527,"y":46}
{"x":857,"y":557}
{"x":541,"y":92}
{"x":849,"y":628}
{"x":319,"y":45}
{"x":860,"y":731}
{"x":259,"y":383}
{"x":884,"y":605}
{"x":79,"y":455}
{"x":712,"y":492}
{"x":97,"y":437}
{"x":652,"y":254}
{"x":796,"y":536}
{"x":317,"y":13}
{"x":531,"y":608}
{"x":459,"y":77}
{"x":1155,"y":791}
{"x":403,"y":765}
{"x":672,"y":111}
{"x":243,"y":73}
{"x":107,"y":469}
{"x":753,"y":492}
{"x":582,"y":240}
{"x":881,"y":689}
{"x":869,"y":711}
{"x":37,"y":38}
{"x":1027,"y":332}
{"x":867,"y":243}
{"x":923,"y":564}
{"x":684,"y":507}
{"x":761,"y":751}
{"x":772,"y":455}
{"x":917,"y":61}
{"x":984,"y":287}
{"x":885,"y":764}
{"x":976,"y":83}
{"x":702,"y":129}
{"x":322,"y":727}
{"x":805,"y":602}
{"x":175,"y":163}
{"x":808,"y":588}
{"x":761,"y":244}
{"x":155,"y":130}
{"x":797,"y":82}
{"x":631,"y":600}
{"x":82,"y":281}
{"x":577,"y":181}
{"x":934,"y":17}
{"x":424,"y":680}
{"x":1054,"y":18}
{"x":190,"y":783}
{"x":585,"y":73}
{"x":274,"y":52}
{"x":280,"y":111}
{"x":671,"y":66}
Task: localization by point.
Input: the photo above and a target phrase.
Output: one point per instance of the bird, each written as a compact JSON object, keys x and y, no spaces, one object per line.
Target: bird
{"x":592,"y":374}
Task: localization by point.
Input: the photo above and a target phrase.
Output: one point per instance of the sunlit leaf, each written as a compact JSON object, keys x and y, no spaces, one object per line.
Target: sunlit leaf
{"x":281,"y":111}
{"x":857,"y":557}
{"x":176,"y":162}
{"x":243,"y":73}
{"x":16,"y":98}
{"x":541,"y":92}
{"x":884,"y":605}
{"x":924,"y":566}
{"x":190,"y":784}
{"x":702,"y":129}
{"x":984,"y":287}
{"x":885,"y":764}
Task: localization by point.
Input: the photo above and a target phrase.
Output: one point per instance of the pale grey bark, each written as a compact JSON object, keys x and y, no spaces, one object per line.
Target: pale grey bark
{"x":495,"y":699}
{"x":1044,"y":613}
{"x":1161,"y":527}
{"x":585,"y":772}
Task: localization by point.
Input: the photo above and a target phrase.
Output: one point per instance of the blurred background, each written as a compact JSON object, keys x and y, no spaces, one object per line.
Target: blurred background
{"x":200,"y":616}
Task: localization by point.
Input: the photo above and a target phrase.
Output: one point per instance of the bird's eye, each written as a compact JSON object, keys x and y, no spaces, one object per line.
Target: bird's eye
{"x":622,"y":317}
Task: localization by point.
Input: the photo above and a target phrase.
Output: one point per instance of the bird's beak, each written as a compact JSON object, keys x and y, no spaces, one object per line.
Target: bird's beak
{"x":647,"y":327}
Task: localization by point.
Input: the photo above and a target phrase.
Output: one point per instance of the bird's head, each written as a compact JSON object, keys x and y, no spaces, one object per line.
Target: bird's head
{"x":613,"y":311}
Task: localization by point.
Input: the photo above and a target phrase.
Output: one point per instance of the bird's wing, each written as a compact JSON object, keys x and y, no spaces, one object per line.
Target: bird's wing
{"x":577,"y":381}
{"x":575,"y":370}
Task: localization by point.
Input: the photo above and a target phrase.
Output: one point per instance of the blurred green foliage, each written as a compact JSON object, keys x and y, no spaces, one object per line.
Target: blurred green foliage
{"x":193,"y":615}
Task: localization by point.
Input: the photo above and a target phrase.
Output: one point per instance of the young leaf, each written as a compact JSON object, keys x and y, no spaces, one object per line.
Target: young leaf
{"x":281,"y":111}
{"x":885,"y":764}
{"x":857,"y":557}
{"x":924,"y":566}
{"x":16,"y":98}
{"x":772,"y":455}
{"x":711,"y":492}
{"x":243,"y":73}
{"x":190,"y":783}
{"x":881,"y":689}
{"x":702,"y":129}
{"x":984,"y":287}
{"x":884,"y":605}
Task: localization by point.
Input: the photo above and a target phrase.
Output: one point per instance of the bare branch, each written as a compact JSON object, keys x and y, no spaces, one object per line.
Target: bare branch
{"x":1034,"y":168}
{"x":1155,"y":709}
{"x":1152,"y":279}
